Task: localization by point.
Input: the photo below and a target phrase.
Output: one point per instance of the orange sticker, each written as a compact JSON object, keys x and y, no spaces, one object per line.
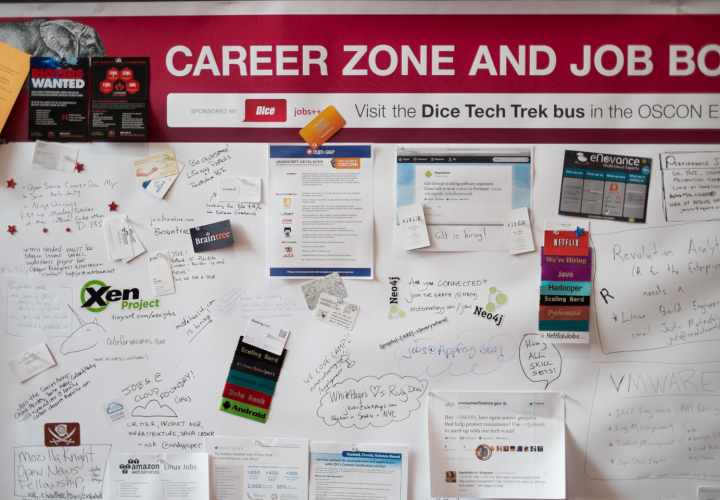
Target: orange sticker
{"x":322,"y":127}
{"x":346,"y":162}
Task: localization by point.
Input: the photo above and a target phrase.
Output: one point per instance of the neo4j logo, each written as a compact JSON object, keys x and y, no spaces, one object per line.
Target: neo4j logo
{"x":96,"y":297}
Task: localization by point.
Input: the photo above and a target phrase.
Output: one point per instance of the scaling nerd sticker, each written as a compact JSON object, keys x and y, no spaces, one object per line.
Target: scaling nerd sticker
{"x":212,"y":236}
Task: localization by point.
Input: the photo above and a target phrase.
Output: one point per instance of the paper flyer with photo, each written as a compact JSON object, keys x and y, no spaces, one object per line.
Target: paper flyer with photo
{"x":119,"y":100}
{"x":605,"y":186}
{"x":58,"y":99}
{"x":307,"y":185}
{"x":337,"y":468}
{"x":497,"y":444}
{"x":160,"y":476}
{"x":259,"y":468}
{"x":464,"y":193}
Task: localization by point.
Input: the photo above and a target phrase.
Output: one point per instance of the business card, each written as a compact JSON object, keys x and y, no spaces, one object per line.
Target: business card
{"x":30,"y":363}
{"x":239,"y":189}
{"x":137,"y":247}
{"x":518,"y":231}
{"x":267,"y":337}
{"x":55,"y":155}
{"x":161,"y":273}
{"x":332,"y":284}
{"x":159,"y":187}
{"x":413,"y":227}
{"x":336,"y":311}
{"x":156,"y":166}
{"x":322,"y":127}
{"x":212,"y":236}
{"x":117,"y":238}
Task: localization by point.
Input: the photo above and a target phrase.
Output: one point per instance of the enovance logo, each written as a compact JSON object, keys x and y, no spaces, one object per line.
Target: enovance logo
{"x":96,"y":297}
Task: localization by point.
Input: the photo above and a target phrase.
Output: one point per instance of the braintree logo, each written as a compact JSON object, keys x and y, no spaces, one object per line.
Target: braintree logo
{"x":96,"y":297}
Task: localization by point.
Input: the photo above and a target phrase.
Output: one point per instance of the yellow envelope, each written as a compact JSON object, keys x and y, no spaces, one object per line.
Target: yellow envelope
{"x":14,"y":68}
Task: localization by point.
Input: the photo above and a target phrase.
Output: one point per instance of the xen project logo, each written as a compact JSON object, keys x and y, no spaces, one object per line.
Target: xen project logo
{"x":96,"y":296}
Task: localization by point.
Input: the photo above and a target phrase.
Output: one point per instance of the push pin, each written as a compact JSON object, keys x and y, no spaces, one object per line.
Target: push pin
{"x":79,"y":167}
{"x":113,"y":206}
{"x":11,"y":183}
{"x":11,"y":229}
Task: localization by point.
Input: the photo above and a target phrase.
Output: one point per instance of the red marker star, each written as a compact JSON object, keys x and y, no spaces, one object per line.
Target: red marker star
{"x":11,"y":229}
{"x":44,"y":230}
{"x":113,"y":206}
{"x":79,"y":167}
{"x":67,"y":229}
{"x":11,"y":183}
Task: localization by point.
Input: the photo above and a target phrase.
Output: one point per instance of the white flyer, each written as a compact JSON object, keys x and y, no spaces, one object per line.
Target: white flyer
{"x":161,"y":273}
{"x":336,"y":311}
{"x":266,"y":337}
{"x":30,"y":363}
{"x":239,"y":189}
{"x":160,"y":476}
{"x":117,"y":238}
{"x":320,"y":204}
{"x":413,"y":226}
{"x":259,"y":468}
{"x":497,"y":444}
{"x":337,"y":468}
{"x":55,"y":155}
{"x":518,"y":231}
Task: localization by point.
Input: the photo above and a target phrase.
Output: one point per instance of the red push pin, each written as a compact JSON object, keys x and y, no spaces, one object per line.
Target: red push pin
{"x":79,"y":167}
{"x":67,"y":229}
{"x":113,"y":206}
{"x":11,"y":183}
{"x":11,"y":229}
{"x":44,"y":230}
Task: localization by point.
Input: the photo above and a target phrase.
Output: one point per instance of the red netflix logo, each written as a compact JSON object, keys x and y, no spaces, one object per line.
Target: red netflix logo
{"x":265,"y":110}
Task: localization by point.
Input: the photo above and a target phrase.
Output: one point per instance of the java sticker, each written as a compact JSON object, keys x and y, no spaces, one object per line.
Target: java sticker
{"x":66,"y":434}
{"x":323,"y":127}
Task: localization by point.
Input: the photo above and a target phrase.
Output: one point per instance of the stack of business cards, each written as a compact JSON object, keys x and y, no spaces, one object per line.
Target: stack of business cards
{"x":566,"y":280}
{"x":251,"y":381}
{"x":121,"y":239}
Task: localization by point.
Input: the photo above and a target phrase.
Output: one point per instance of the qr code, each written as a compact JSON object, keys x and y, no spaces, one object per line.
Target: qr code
{"x":282,"y":334}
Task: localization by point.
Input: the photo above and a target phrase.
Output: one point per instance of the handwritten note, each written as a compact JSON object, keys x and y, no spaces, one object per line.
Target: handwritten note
{"x":540,"y":362}
{"x":652,"y":421}
{"x":38,"y":309}
{"x":371,"y":401}
{"x":658,"y":288}
{"x":691,"y":185}
{"x":471,"y":352}
{"x":64,"y":472}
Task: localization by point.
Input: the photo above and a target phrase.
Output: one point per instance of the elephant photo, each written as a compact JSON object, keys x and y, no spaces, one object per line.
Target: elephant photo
{"x":51,"y":38}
